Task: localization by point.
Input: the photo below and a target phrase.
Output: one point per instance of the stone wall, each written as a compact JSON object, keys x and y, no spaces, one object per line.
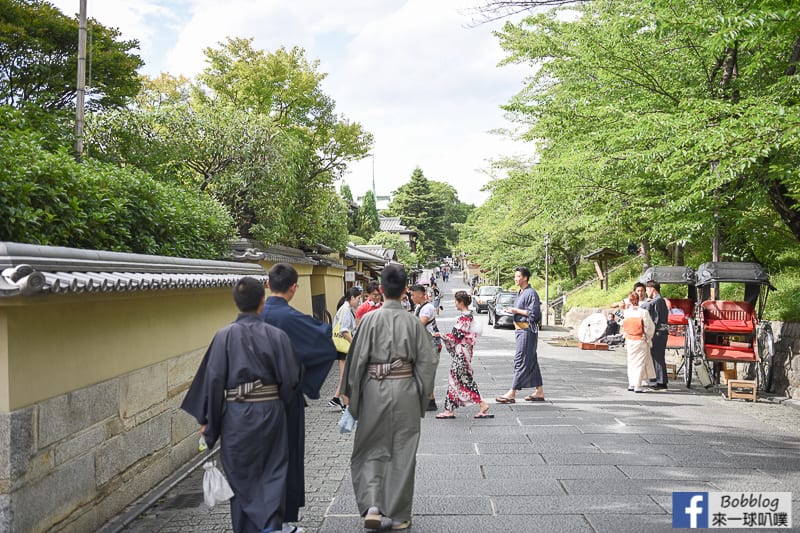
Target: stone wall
{"x":76,"y":460}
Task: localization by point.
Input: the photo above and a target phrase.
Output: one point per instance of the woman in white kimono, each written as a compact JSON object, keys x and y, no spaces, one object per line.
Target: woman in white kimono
{"x":638,"y":328}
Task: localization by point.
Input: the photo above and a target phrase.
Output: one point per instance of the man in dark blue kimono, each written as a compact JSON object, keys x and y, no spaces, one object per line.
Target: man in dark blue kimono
{"x":527,"y":314}
{"x":659,"y":312}
{"x":239,"y":394}
{"x":313,"y":345}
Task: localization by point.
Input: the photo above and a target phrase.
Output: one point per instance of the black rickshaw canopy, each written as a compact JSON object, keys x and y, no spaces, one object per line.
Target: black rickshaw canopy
{"x":677,"y":275}
{"x":726,"y":272}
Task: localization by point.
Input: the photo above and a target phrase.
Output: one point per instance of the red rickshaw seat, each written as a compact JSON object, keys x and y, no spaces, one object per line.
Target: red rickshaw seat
{"x":683,"y":304}
{"x":725,"y":316}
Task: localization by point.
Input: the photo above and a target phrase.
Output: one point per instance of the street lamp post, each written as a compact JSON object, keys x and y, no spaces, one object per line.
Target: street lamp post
{"x":546,"y":279}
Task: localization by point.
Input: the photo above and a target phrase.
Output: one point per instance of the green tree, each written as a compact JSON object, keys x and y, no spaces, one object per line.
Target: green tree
{"x":47,"y":198}
{"x":420,"y":208}
{"x":393,"y":241}
{"x":455,"y":211}
{"x":368,"y":222}
{"x":655,"y":128}
{"x":39,"y":55}
{"x":288,"y":88}
{"x":352,"y":209}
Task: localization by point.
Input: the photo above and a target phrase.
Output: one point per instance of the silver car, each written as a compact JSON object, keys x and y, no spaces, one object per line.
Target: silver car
{"x":484,"y":296}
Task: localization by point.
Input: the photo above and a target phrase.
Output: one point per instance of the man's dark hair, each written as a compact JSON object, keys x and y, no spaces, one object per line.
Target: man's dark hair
{"x":393,"y":281}
{"x":248,"y":294}
{"x":638,"y":284}
{"x":656,"y":285}
{"x":372,"y":286}
{"x":281,"y":277}
{"x":418,"y":288}
{"x":524,"y":271}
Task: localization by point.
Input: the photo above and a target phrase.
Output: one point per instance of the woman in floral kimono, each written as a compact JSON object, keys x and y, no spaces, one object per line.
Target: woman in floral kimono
{"x":462,"y":389}
{"x":639,"y":329}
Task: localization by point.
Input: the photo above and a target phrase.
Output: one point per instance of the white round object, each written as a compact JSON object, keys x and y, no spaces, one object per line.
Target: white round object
{"x":592,"y":327}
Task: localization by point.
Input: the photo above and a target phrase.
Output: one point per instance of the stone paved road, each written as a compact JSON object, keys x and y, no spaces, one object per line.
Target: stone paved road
{"x":592,"y":458}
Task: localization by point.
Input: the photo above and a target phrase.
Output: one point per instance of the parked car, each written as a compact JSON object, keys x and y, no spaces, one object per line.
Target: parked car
{"x":484,"y":295}
{"x":498,"y":317}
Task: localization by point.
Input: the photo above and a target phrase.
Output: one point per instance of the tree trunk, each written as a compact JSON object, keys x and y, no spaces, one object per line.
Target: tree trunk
{"x":786,"y":206}
{"x":645,"y":253}
{"x":679,"y":258}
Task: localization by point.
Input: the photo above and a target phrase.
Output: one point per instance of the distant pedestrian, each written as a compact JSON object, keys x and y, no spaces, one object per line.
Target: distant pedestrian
{"x":427,"y":315}
{"x":436,"y":296}
{"x":389,"y":374}
{"x":313,"y":344}
{"x":527,"y":314}
{"x":460,"y":342}
{"x":239,"y":395}
{"x":372,"y":300}
{"x":638,"y":329}
{"x":345,"y":319}
{"x":659,"y":313}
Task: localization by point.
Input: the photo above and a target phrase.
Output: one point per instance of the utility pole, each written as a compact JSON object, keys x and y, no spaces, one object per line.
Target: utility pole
{"x":546,"y":279}
{"x":81,"y":85}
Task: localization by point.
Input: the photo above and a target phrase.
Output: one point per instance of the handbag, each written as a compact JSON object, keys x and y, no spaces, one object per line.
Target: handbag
{"x":215,"y":486}
{"x":342,"y":344}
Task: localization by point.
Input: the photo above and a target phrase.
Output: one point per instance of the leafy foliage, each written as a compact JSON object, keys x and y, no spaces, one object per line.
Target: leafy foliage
{"x":39,"y":55}
{"x":396,"y":242}
{"x":368,"y":222}
{"x":47,"y":198}
{"x":654,"y":122}
{"x":420,"y":208}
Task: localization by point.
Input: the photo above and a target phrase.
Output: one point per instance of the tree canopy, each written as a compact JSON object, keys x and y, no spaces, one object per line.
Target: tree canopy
{"x":255,"y":131}
{"x":39,"y":56}
{"x":654,"y":122}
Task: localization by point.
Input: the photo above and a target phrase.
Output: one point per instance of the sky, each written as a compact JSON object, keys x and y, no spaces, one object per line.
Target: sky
{"x":417,"y":74}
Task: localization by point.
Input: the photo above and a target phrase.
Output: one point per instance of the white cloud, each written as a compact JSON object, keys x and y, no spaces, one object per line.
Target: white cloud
{"x":410,"y":71}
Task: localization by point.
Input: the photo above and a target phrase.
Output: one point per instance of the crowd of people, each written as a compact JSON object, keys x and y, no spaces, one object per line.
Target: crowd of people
{"x":251,"y":387}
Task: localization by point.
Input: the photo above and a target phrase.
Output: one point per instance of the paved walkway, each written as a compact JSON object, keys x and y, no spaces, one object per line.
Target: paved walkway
{"x":592,"y":458}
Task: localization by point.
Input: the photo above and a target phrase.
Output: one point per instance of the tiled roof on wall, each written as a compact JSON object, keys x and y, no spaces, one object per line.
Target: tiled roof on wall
{"x":27,"y":269}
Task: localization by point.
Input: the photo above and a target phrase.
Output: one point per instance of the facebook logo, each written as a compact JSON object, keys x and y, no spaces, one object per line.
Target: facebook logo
{"x":689,"y":509}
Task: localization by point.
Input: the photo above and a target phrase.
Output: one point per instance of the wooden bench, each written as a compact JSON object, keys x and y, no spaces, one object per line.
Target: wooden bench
{"x":742,"y":388}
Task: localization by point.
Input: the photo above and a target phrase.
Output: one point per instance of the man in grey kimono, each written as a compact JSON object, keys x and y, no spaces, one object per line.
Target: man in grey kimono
{"x":659,"y":312}
{"x":388,"y":376}
{"x":239,"y":394}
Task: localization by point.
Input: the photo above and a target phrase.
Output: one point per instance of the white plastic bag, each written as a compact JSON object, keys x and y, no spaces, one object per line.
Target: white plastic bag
{"x":347,"y":422}
{"x":215,"y":486}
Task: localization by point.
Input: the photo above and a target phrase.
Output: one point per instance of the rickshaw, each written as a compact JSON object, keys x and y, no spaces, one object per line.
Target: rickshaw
{"x":726,"y":331}
{"x":681,"y":310}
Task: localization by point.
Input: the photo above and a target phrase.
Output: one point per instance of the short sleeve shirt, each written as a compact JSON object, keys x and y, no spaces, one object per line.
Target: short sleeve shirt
{"x":345,"y":314}
{"x":428,"y":311}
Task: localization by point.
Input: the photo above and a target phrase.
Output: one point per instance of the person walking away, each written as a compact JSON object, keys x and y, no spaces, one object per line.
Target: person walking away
{"x":389,"y":374}
{"x":346,"y":320}
{"x":659,"y":313}
{"x":437,"y":298}
{"x":372,"y":301}
{"x":239,"y":395}
{"x":460,"y":343}
{"x":638,"y":328}
{"x":313,"y":345}
{"x":527,"y":314}
{"x":427,"y":315}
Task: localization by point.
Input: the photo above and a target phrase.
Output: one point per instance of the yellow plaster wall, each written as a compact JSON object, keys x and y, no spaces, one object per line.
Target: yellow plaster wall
{"x":302,"y":298}
{"x":56,"y":344}
{"x":329,"y":280}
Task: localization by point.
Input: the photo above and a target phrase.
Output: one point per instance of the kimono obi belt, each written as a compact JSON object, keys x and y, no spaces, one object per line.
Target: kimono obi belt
{"x":521,"y":325}
{"x":397,"y":369}
{"x":252,"y":392}
{"x":633,"y":328}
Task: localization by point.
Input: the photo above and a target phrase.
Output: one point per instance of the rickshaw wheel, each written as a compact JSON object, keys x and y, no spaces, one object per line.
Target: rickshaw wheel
{"x":688,"y":367}
{"x":766,"y":356}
